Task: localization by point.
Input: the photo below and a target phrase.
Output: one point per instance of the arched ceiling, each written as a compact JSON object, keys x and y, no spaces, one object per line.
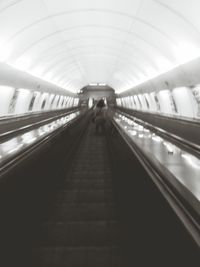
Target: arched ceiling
{"x":122,"y":43}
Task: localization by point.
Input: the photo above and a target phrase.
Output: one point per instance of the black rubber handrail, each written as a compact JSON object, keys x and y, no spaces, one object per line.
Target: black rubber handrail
{"x":14,"y":160}
{"x":191,"y":121}
{"x":14,"y":117}
{"x":10,"y":134}
{"x":172,"y":138}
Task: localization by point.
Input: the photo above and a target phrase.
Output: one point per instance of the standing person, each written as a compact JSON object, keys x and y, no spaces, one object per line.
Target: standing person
{"x":100,"y":117}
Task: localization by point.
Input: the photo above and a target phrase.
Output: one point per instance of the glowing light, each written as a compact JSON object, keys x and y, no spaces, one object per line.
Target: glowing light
{"x":169,"y":147}
{"x":186,"y":51}
{"x":140,"y":128}
{"x":23,"y":64}
{"x":28,"y":138}
{"x":132,"y":132}
{"x":157,"y":138}
{"x":163,"y":65}
{"x":90,"y":103}
{"x":15,"y":149}
{"x":5,"y":51}
{"x":38,"y":72}
{"x":151,"y":72}
{"x":192,"y":160}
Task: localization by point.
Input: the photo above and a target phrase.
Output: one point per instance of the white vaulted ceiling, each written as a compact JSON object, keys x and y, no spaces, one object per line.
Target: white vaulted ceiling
{"x":122,"y":43}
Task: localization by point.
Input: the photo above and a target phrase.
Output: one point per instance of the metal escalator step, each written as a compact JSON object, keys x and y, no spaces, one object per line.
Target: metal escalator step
{"x":81,"y":228}
{"x":77,"y":257}
{"x":82,"y":211}
{"x":79,"y":174}
{"x":79,"y":233}
{"x":85,"y":196}
{"x":90,"y":184}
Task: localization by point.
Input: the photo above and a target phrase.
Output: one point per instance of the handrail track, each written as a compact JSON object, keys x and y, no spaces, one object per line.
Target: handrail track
{"x":175,"y":139}
{"x":15,"y":159}
{"x":11,"y":133}
{"x":161,"y":177}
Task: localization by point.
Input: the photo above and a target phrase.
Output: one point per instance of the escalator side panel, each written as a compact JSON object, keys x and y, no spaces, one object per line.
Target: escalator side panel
{"x":151,"y":231}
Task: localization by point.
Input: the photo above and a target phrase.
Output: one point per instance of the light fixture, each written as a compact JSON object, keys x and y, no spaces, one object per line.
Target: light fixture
{"x":22,"y":64}
{"x":93,"y":84}
{"x":192,"y":160}
{"x":5,"y":51}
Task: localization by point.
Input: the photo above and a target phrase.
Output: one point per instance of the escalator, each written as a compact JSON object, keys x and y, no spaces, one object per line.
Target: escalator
{"x":81,"y":228}
{"x":89,"y":204}
{"x":107,"y":212}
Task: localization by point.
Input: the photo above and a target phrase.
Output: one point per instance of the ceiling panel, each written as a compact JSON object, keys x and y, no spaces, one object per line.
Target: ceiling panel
{"x":76,"y":42}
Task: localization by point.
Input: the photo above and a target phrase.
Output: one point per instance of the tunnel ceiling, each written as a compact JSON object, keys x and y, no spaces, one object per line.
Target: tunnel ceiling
{"x":122,"y":43}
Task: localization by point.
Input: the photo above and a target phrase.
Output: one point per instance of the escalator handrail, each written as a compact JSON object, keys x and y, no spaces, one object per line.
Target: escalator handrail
{"x":187,"y":209}
{"x":19,"y":157}
{"x":191,"y":121}
{"x":14,"y":117}
{"x":11,"y":133}
{"x":175,"y":139}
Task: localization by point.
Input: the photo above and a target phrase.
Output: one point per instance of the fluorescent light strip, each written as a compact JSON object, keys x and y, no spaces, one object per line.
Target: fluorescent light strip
{"x":192,"y":160}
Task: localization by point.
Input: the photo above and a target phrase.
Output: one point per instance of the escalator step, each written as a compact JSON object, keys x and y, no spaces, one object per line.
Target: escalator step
{"x":90,"y":184}
{"x":82,"y":211}
{"x":80,"y":228}
{"x":79,"y":233}
{"x":85,"y":196}
{"x":77,"y":257}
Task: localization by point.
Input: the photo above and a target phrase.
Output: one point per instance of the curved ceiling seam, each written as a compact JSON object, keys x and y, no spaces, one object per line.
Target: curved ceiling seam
{"x":64,"y":74}
{"x":126,"y":73}
{"x":49,"y":67}
{"x":10,"y":5}
{"x":94,"y":46}
{"x":70,"y":70}
{"x":172,"y":10}
{"x":73,"y":56}
{"x":144,"y":55}
{"x":95,"y":26}
{"x":78,"y":65}
{"x":169,"y":38}
{"x":115,"y":12}
{"x":119,"y":81}
{"x":128,"y":69}
{"x":134,"y":19}
{"x":90,"y":54}
{"x":155,"y":1}
{"x":64,"y":79}
{"x":124,"y":79}
{"x":65,"y":64}
{"x":62,"y":60}
{"x":129,"y":74}
{"x":118,"y":59}
{"x":47,"y":77}
{"x":125,"y":57}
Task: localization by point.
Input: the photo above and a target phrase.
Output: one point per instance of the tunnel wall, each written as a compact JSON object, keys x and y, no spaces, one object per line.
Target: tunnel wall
{"x":22,"y":93}
{"x":176,"y":93}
